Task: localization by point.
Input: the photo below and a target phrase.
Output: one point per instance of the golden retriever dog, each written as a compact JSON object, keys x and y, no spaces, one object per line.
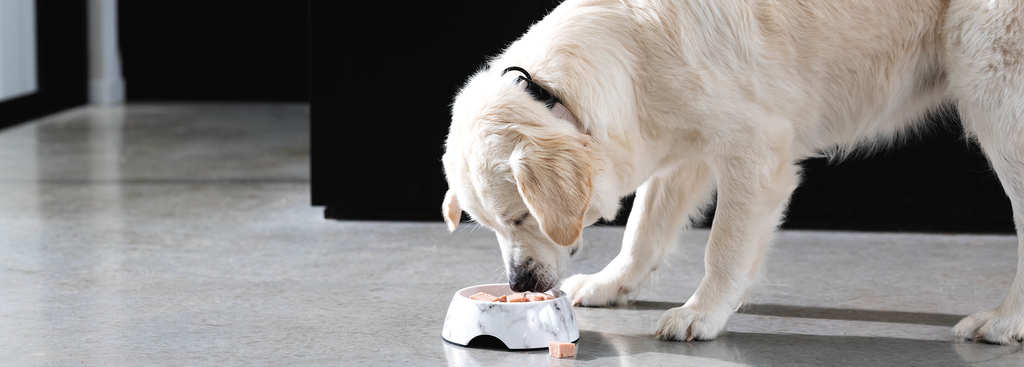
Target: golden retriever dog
{"x":673,"y":100}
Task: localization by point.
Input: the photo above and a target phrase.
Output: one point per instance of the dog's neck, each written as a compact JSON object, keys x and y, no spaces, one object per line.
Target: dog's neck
{"x":543,"y":95}
{"x":563,"y":113}
{"x":597,"y":86}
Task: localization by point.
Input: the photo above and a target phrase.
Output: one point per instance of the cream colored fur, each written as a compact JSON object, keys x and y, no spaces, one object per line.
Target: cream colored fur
{"x":678,"y":98}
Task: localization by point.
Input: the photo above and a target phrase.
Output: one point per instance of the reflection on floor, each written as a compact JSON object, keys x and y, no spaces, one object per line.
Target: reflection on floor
{"x":181,"y":234}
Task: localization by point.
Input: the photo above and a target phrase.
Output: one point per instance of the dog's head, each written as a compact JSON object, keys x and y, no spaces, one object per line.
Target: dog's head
{"x":521,"y":171}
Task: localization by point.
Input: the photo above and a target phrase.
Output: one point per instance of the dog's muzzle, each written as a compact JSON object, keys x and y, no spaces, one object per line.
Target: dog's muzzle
{"x":523,"y":278}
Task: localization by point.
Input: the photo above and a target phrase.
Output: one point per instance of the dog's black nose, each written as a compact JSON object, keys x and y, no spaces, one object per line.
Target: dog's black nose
{"x":522,"y":281}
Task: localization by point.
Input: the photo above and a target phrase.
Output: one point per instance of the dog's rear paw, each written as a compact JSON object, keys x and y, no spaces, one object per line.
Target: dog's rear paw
{"x":595,"y":290}
{"x":686,"y":324}
{"x":996,"y":326}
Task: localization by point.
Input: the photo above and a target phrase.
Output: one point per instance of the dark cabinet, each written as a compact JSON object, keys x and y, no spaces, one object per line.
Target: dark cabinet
{"x":383,"y":78}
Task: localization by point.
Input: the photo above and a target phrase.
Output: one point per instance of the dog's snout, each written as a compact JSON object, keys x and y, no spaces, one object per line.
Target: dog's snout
{"x":528,"y":277}
{"x":522,"y":280}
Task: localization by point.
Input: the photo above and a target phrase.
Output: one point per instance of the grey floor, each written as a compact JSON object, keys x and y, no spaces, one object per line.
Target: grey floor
{"x":181,"y":234}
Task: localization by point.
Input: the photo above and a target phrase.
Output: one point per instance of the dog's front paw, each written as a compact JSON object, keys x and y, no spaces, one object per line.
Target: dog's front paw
{"x":996,"y":326}
{"x":595,"y":290}
{"x":687,"y":323}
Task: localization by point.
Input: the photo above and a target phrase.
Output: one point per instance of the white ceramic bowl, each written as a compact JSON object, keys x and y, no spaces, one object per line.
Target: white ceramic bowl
{"x":521,"y":325}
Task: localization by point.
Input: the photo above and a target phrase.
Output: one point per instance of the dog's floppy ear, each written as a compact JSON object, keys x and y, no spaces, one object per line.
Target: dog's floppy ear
{"x":554,"y":178}
{"x":451,"y":210}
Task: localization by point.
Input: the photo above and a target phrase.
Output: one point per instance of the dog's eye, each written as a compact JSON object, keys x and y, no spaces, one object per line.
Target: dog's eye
{"x":520,"y":219}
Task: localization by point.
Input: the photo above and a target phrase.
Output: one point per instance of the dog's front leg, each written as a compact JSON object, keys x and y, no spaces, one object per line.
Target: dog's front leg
{"x":753,"y":191}
{"x":662,"y":205}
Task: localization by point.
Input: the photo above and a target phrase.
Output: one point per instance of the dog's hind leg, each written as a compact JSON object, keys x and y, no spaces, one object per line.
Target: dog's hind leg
{"x":660,"y":210}
{"x":985,"y":45}
{"x":755,"y":181}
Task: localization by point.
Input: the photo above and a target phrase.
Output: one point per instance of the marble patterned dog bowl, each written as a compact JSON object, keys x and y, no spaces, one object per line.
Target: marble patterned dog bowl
{"x":524,"y":325}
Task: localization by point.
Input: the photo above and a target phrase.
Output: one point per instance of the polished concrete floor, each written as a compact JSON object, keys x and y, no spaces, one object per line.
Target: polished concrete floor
{"x":181,"y":234}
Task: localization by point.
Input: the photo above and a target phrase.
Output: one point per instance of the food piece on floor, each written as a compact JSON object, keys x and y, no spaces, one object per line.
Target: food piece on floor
{"x":561,"y":349}
{"x":483,"y":297}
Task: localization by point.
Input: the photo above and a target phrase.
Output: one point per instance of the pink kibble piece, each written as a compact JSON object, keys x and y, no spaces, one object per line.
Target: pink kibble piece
{"x":483,"y":297}
{"x":561,"y":349}
{"x":538,"y":297}
{"x":518,"y":297}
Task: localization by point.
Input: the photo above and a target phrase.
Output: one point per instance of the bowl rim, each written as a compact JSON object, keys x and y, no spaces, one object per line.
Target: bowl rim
{"x":553,"y":291}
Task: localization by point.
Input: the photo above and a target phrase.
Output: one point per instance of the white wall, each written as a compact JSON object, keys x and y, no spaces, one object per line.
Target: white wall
{"x":18,"y":74}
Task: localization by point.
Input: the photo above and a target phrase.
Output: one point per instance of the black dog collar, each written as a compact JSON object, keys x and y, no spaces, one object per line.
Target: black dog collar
{"x":542,"y":95}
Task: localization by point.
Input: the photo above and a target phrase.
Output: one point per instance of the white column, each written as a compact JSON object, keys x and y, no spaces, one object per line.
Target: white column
{"x":106,"y":83}
{"x":18,"y":70}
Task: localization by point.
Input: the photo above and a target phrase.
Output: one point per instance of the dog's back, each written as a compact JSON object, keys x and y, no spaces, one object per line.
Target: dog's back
{"x":839,"y":71}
